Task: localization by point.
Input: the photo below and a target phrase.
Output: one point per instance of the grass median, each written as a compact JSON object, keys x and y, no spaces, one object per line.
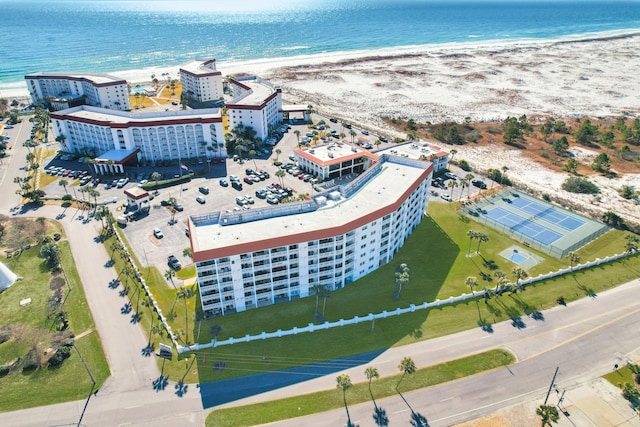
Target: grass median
{"x":266,"y":412}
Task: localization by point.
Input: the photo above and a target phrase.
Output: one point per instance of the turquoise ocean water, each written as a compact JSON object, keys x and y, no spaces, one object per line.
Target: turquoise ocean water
{"x":110,"y":36}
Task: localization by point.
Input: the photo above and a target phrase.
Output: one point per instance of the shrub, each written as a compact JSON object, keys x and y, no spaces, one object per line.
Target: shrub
{"x":546,"y":197}
{"x":31,"y":361}
{"x":5,"y":334}
{"x":4,"y":370}
{"x":580,"y":185}
{"x":60,"y":356}
{"x":464,"y":165}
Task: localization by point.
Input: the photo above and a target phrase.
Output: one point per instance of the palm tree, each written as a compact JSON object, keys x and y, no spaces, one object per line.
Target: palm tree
{"x":18,"y":180}
{"x":252,"y":156}
{"x":344,"y":383}
{"x":471,"y":282}
{"x":548,"y":414}
{"x":472,"y":235}
{"x":402,"y":278}
{"x":185,"y":293}
{"x":101,"y":213}
{"x":520,"y":274}
{"x":372,"y":373}
{"x":499,"y":275}
{"x":407,"y":366}
{"x":169,"y":275}
{"x":453,"y":152}
{"x":353,"y":133}
{"x":481,"y":239}
{"x":297,"y":134}
{"x":316,"y":289}
{"x":279,"y":151}
{"x":632,"y":243}
{"x":325,"y":293}
{"x":452,"y":184}
{"x":30,"y":157}
{"x":281,"y":174}
{"x":574,"y":258}
{"x":64,"y":183}
{"x":504,"y":171}
{"x":464,"y":183}
{"x":469,"y":177}
{"x":156,"y":177}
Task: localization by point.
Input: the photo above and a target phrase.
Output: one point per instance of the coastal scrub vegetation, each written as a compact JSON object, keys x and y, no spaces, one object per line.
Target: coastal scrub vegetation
{"x":576,"y":184}
{"x":614,"y":144}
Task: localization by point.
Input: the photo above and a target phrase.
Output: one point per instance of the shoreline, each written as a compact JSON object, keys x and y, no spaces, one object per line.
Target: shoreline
{"x":264,"y":66}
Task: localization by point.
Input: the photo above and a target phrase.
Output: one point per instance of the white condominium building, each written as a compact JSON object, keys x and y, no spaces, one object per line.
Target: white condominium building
{"x":334,"y":160}
{"x":256,"y":103}
{"x":258,"y":257}
{"x":201,"y":81}
{"x":169,"y":135}
{"x":66,"y":90}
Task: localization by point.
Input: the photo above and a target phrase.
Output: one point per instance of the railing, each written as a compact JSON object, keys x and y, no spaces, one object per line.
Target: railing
{"x":311,"y":327}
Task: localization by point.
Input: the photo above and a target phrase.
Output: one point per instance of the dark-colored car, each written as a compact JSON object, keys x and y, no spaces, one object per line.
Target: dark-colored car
{"x":173,"y":262}
{"x":224,"y":183}
{"x":479,"y":183}
{"x":333,"y":120}
{"x":204,"y":190}
{"x":237,"y":185}
{"x":177,"y":206}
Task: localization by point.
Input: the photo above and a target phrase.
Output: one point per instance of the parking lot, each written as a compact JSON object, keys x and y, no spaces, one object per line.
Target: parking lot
{"x":153,"y":251}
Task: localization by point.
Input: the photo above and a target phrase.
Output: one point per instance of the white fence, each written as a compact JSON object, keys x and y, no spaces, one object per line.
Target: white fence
{"x":149,"y":294}
{"x":383,"y":315}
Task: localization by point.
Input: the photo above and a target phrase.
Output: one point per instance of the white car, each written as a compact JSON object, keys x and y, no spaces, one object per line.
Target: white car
{"x":158,"y":233}
{"x":446,"y":197}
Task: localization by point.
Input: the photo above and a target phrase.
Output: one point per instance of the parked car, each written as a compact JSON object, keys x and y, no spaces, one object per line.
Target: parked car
{"x":224,"y":183}
{"x":261,"y":194}
{"x":249,"y":171}
{"x":173,"y":262}
{"x":446,"y":196}
{"x":248,"y":180}
{"x":365,"y":132}
{"x":237,"y":185}
{"x":450,"y":175}
{"x":203,"y":190}
{"x":177,"y":206}
{"x":333,"y":120}
{"x":233,"y":178}
{"x":479,"y":183}
{"x":158,"y":233}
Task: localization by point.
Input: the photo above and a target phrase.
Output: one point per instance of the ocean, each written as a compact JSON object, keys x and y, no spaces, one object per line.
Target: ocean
{"x":141,"y":37}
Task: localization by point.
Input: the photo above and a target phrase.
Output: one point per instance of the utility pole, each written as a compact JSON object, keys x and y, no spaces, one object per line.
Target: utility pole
{"x":553,"y":381}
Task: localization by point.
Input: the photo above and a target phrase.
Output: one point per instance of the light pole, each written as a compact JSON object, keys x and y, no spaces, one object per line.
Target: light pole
{"x":93,"y":385}
{"x":553,"y":382}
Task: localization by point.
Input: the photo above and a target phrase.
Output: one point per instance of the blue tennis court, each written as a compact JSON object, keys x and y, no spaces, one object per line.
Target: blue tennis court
{"x":523,"y":225}
{"x":536,"y":223}
{"x":546,"y":213}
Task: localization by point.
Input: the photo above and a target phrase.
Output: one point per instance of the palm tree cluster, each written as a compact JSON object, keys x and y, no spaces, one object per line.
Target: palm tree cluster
{"x":475,"y":235}
{"x":402,"y":277}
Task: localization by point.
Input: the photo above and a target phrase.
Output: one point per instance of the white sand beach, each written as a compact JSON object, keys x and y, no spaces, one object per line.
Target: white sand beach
{"x":587,"y":76}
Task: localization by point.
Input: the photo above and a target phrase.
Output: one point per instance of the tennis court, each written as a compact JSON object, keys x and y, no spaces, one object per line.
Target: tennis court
{"x":536,"y":223}
{"x":525,"y":226}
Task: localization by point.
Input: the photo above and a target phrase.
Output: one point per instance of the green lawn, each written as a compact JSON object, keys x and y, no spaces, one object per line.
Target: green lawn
{"x":436,"y":253}
{"x":620,"y":377}
{"x":46,"y":386}
{"x":312,"y":403}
